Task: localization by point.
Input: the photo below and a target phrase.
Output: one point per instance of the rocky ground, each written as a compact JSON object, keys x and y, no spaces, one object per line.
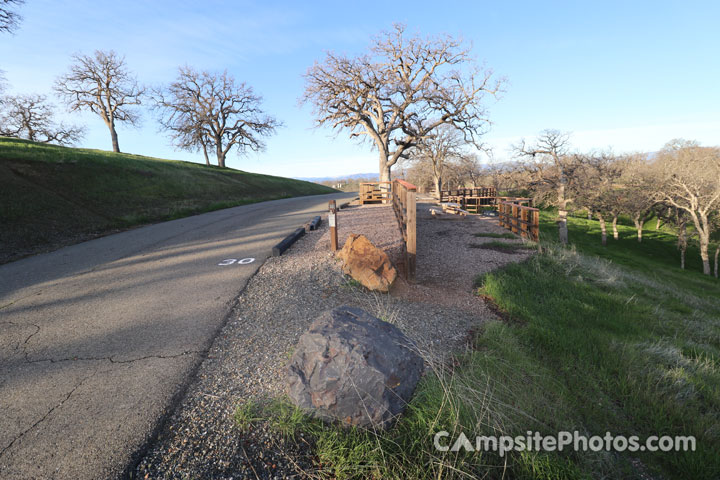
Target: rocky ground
{"x":249,"y":357}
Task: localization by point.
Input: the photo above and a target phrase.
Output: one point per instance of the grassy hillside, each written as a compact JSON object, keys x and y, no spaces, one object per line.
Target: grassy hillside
{"x":50,"y":195}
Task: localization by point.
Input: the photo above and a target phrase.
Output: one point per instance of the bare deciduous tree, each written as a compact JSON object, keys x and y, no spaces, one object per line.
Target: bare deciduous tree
{"x":205,"y":110}
{"x":599,"y":175}
{"x":690,"y":181}
{"x":9,"y":19}
{"x":469,"y":168}
{"x":436,"y":151}
{"x":637,"y":196}
{"x":102,"y":84}
{"x":32,"y":117}
{"x":401,"y":92}
{"x":3,"y":84}
{"x":554,"y":173}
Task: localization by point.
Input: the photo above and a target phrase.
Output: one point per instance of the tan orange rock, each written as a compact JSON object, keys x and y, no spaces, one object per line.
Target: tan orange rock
{"x":367,"y":264}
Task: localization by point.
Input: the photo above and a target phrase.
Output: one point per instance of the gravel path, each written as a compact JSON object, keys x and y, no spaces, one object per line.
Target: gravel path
{"x":248,"y":358}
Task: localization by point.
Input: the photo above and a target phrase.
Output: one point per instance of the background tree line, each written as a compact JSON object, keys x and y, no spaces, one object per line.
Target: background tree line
{"x":202,"y":111}
{"x":679,"y":186}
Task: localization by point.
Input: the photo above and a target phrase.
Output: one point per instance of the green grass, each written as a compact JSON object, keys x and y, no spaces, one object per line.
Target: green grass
{"x":594,"y":339}
{"x":505,"y":247}
{"x":51,"y":194}
{"x":629,"y":352}
{"x":508,"y":236}
{"x":656,"y":256}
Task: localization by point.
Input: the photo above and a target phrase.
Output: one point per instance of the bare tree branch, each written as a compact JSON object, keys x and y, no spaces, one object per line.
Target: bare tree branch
{"x":436,"y":151}
{"x":103,"y":85}
{"x":32,"y":117}
{"x":9,"y":19}
{"x":399,"y":93}
{"x":204,"y":110}
{"x":688,"y":178}
{"x":553,"y":172}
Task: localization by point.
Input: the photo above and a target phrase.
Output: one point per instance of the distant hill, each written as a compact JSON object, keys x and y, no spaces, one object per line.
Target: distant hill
{"x":372,"y":176}
{"x":52,"y":196}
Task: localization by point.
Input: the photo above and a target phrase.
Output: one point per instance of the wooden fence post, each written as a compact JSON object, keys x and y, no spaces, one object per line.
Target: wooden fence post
{"x":332,"y":221}
{"x":411,"y":233}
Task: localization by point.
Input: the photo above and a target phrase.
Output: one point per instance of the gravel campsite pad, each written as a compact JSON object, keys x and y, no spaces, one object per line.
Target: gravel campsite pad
{"x":248,"y":358}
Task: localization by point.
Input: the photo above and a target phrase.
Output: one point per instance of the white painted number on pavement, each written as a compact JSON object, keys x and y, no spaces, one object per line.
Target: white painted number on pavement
{"x":230,"y":261}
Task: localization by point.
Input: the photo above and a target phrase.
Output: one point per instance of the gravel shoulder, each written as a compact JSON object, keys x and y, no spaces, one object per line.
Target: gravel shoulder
{"x":249,"y":356}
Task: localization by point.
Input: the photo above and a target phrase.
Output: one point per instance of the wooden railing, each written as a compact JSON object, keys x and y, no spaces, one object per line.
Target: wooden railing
{"x":375,"y":192}
{"x":484,"y":194}
{"x":521,"y":219}
{"x":403,"y":199}
{"x":474,"y":200}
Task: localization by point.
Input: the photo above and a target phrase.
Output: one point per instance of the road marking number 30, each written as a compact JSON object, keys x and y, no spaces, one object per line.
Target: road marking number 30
{"x":242,"y":261}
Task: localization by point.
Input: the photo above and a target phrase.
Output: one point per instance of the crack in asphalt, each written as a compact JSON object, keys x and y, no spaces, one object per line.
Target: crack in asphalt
{"x":67,"y":397}
{"x":37,"y":327}
{"x":111,"y":359}
{"x":7,"y":305}
{"x":18,"y":344}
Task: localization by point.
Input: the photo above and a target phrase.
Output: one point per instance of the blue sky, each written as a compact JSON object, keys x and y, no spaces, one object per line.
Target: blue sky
{"x":623,"y":75}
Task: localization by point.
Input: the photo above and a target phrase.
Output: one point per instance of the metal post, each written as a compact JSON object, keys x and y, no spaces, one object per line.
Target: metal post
{"x":332,"y":221}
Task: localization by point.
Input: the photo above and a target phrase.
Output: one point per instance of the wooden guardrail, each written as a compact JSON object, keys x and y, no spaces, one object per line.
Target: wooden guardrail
{"x":521,"y":219}
{"x":403,"y":199}
{"x":375,"y":192}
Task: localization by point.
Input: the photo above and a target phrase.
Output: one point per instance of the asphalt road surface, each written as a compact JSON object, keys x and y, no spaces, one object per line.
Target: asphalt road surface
{"x":97,"y":340}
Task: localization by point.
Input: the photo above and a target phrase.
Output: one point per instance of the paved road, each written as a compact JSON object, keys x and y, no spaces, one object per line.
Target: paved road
{"x":96,"y":339}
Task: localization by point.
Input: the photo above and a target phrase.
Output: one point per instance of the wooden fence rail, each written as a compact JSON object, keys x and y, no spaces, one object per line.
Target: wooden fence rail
{"x":403,"y":199}
{"x":521,"y":219}
{"x":375,"y":192}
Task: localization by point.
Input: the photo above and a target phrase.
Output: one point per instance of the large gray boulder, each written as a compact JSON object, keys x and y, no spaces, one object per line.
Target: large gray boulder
{"x":353,"y":367}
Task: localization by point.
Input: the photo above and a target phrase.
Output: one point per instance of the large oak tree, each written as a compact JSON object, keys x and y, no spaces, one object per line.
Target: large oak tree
{"x":435,"y":153}
{"x":204,"y":110}
{"x":554,"y":173}
{"x":102,"y":84}
{"x":689,"y":180}
{"x":400,"y":92}
{"x":599,"y":192}
{"x":33,"y":117}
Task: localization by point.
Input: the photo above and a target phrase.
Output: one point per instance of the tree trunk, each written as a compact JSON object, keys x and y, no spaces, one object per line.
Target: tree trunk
{"x":717,"y":254}
{"x":384,"y":170}
{"x":562,"y":216}
{"x":639,"y":226}
{"x":220,"y":155}
{"x":614,"y":225}
{"x":562,"y":226}
{"x":603,"y":230}
{"x":207,"y":159}
{"x":682,"y":243}
{"x":114,"y":137}
{"x":704,"y":244}
{"x":682,"y":256}
{"x":438,"y":186}
{"x":590,"y":214}
{"x":658,"y":223}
